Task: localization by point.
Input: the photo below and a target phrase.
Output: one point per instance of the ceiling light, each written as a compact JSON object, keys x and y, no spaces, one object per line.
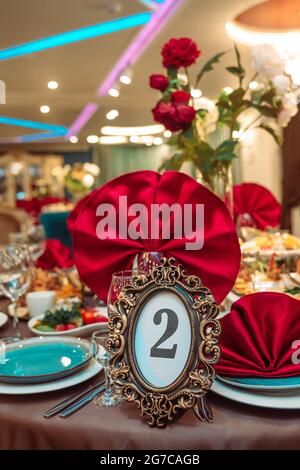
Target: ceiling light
{"x":146,"y":139}
{"x":92,"y":139}
{"x":134,"y":139}
{"x":253,"y":37}
{"x":126,"y":77}
{"x":253,"y":85}
{"x":73,"y":139}
{"x":196,"y":93}
{"x":113,"y":114}
{"x":44,"y":109}
{"x":114,"y":92}
{"x":137,"y":130}
{"x":52,"y":85}
{"x":157,"y":141}
{"x":168,"y":134}
{"x":112,"y":139}
{"x":227,"y":90}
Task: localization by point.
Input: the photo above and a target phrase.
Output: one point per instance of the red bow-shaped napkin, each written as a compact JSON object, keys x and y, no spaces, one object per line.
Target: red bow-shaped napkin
{"x":259,"y":337}
{"x":56,"y":255}
{"x":217,"y":263}
{"x":258,"y":202}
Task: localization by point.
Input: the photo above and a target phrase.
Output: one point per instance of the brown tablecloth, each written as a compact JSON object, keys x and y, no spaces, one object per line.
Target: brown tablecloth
{"x":235,"y":426}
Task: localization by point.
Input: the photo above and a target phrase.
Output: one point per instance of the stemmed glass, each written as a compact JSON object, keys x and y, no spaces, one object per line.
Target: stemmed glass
{"x":101,"y":354}
{"x":118,"y":281}
{"x":34,"y":239}
{"x":14,"y":278}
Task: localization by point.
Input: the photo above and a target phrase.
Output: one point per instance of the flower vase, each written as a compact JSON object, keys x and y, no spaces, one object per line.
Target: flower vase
{"x":219,"y":177}
{"x":219,"y":181}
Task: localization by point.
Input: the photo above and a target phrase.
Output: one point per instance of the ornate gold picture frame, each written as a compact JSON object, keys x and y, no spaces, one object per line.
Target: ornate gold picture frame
{"x":165,"y":379}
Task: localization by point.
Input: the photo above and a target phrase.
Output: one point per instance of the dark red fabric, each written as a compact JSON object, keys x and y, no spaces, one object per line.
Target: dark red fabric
{"x":34,"y":206}
{"x":56,"y":255}
{"x":259,"y":202}
{"x":257,"y":336}
{"x":217,"y":263}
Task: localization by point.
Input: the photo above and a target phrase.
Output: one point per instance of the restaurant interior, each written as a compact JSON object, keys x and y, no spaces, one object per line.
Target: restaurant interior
{"x":192,"y":105}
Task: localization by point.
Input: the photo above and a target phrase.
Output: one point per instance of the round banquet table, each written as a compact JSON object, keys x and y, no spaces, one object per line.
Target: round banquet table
{"x":235,"y":426}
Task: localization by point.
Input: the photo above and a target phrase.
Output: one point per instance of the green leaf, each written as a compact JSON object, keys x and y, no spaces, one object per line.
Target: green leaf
{"x":236,"y":97}
{"x":202,"y":113}
{"x":266,"y":110}
{"x":227,"y":145}
{"x":173,"y":163}
{"x":272,"y":132}
{"x":209,"y":65}
{"x":226,"y":156}
{"x":233,"y":70}
{"x":239,"y":63}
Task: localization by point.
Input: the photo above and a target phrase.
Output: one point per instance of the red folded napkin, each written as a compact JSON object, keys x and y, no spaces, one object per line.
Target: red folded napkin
{"x":34,"y":206}
{"x":217,"y":263}
{"x":258,"y":337}
{"x":258,"y":202}
{"x":56,"y":255}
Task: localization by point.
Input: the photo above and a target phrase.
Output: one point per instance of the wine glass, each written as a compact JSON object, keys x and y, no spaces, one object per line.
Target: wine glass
{"x":101,"y":354}
{"x":36,"y":241}
{"x":14,"y":278}
{"x":118,"y":281}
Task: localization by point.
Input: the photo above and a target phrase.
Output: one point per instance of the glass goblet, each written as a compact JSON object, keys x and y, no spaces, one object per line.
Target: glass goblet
{"x":118,"y":281}
{"x":36,"y":241}
{"x":14,"y":278}
{"x":101,"y":354}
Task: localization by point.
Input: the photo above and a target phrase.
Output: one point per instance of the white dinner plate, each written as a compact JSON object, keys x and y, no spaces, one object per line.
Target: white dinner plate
{"x":81,"y":331}
{"x":289,"y":401}
{"x":3,"y":319}
{"x":92,"y":369}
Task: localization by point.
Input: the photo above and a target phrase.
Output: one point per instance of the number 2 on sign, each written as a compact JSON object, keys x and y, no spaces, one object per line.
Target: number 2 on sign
{"x":172,"y":325}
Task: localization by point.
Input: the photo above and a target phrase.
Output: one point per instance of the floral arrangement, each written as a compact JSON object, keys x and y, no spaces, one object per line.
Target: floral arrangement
{"x":198,"y":123}
{"x":80,"y":178}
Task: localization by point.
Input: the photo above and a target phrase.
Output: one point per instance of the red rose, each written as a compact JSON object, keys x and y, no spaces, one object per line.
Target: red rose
{"x":178,"y":53}
{"x":180,"y":97}
{"x":185,"y":114}
{"x":158,"y":82}
{"x":165,"y":113}
{"x":174,"y":117}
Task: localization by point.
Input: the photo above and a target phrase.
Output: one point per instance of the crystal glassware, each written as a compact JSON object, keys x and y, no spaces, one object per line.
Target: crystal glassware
{"x":101,"y":354}
{"x":118,"y":281}
{"x":14,"y":279}
{"x":36,"y":241}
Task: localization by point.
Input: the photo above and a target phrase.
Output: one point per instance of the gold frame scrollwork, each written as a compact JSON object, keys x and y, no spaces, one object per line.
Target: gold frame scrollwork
{"x":162,"y":405}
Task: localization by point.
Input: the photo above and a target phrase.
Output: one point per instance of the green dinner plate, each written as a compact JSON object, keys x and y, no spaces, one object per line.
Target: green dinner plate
{"x":42,"y":359}
{"x":262,"y":383}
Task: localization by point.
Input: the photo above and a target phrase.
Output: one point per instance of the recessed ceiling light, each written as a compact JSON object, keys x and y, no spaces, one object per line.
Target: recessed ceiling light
{"x":168,"y":134}
{"x":126,"y":77}
{"x":134,"y":139}
{"x":114,"y":92}
{"x":157,"y":141}
{"x":146,"y":139}
{"x":45,"y":109}
{"x":228,"y":90}
{"x":92,"y":139}
{"x":196,"y":93}
{"x":73,"y":139}
{"x":53,"y":84}
{"x":253,"y":85}
{"x":113,"y":114}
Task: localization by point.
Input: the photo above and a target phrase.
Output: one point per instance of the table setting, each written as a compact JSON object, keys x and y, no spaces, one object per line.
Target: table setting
{"x":162,"y":311}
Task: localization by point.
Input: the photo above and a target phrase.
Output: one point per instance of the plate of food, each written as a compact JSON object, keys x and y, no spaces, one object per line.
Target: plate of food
{"x":69,"y":318}
{"x":271,"y":275}
{"x":266,"y":244}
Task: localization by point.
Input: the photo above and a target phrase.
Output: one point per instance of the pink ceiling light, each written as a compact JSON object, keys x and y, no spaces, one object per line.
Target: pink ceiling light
{"x":146,"y":35}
